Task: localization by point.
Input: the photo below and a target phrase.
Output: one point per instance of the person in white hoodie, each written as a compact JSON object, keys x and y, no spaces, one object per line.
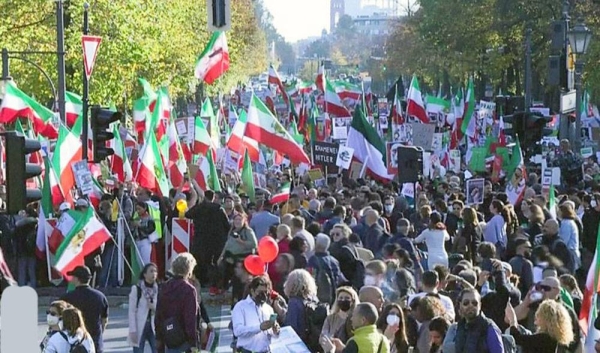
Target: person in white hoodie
{"x":72,"y":333}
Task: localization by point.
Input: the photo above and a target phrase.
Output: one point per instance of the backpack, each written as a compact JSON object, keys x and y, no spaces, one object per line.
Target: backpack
{"x":138,"y":289}
{"x":76,"y":347}
{"x":315,"y":314}
{"x":325,"y":283}
{"x":359,"y":269}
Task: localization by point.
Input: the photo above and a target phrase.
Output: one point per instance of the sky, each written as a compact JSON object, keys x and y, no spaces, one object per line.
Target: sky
{"x":299,"y":19}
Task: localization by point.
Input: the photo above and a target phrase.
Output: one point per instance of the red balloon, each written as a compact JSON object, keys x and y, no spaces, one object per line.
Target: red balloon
{"x":254,"y":265}
{"x":268,"y":249}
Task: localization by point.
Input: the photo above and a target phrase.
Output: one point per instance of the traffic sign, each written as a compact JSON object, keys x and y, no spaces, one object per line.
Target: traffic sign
{"x":90,"y":51}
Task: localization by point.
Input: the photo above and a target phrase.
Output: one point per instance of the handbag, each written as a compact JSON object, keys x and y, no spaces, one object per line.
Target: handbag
{"x":174,"y":336}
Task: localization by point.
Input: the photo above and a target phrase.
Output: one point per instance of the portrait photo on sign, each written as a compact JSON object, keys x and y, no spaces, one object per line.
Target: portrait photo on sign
{"x":475,"y":191}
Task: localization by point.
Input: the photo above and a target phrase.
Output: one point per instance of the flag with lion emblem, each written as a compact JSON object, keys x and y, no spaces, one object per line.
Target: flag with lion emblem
{"x":86,"y":234}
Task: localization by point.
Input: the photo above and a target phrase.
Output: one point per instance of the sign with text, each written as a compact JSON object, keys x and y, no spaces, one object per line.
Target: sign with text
{"x":422,"y":135}
{"x":324,"y":153}
{"x":83,"y":177}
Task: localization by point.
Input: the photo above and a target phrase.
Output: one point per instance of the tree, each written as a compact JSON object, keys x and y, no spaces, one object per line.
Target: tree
{"x":320,"y":48}
{"x":159,"y":40}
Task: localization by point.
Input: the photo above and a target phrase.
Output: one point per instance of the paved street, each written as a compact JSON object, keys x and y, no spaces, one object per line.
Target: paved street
{"x":115,"y":338}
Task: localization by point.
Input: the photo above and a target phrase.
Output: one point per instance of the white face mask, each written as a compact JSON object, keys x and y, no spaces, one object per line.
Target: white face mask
{"x":392,"y":320}
{"x":370,"y":281}
{"x":52,"y":320}
{"x":389,"y":208}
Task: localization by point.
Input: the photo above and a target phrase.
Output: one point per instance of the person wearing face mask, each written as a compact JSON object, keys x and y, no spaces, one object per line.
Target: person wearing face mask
{"x":253,"y":320}
{"x":390,"y":213}
{"x":392,"y":324}
{"x":54,"y":320}
{"x":346,"y":301}
{"x":366,"y":339}
{"x":522,"y":265}
{"x":375,"y":275}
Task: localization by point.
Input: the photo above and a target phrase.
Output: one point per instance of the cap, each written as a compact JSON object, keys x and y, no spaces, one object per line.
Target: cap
{"x":82,"y":203}
{"x":81,"y":272}
{"x":64,"y":206}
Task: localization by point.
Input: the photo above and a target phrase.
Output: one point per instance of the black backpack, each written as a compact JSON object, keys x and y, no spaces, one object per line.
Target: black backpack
{"x":359,"y":270}
{"x":325,"y":283}
{"x":76,"y":347}
{"x":315,"y":314}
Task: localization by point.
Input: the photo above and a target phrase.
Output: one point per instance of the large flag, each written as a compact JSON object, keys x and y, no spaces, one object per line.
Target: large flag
{"x":248,"y":177}
{"x":468,"y":123}
{"x":73,"y":107}
{"x":202,"y":141}
{"x":263,"y":127}
{"x":16,"y":104}
{"x":368,"y":147}
{"x":414,"y":102}
{"x":85,"y":236}
{"x":152,"y":174}
{"x":333,"y":103}
{"x":214,"y":60}
{"x":238,"y":141}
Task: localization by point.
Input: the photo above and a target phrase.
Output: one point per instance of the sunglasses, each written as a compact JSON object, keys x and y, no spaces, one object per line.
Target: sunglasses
{"x":52,"y":313}
{"x":543,"y":287}
{"x":471,"y":302}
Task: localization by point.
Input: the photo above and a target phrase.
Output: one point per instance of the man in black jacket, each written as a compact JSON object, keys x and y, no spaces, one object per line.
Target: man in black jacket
{"x":211,"y":226}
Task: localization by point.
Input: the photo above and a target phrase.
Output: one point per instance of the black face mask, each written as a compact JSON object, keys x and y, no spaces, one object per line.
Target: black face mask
{"x":344,"y":305}
{"x":260,"y":298}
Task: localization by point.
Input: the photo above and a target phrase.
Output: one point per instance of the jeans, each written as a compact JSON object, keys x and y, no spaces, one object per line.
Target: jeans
{"x":147,"y":335}
{"x":108,"y":274}
{"x":26,"y":269}
{"x":181,"y":349}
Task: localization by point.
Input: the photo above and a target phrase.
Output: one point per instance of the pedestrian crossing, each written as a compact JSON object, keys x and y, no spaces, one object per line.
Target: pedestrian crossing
{"x":221,"y":324}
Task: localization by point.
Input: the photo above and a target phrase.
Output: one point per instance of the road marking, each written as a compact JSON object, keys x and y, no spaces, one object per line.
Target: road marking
{"x":225,"y":335}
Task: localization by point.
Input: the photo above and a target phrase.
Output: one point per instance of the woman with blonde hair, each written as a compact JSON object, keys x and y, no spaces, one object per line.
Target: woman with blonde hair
{"x":345,"y":301}
{"x":554,"y":328}
{"x":72,"y":333}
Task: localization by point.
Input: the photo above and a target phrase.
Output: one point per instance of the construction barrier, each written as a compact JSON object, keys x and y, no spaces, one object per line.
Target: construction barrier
{"x":181,"y":237}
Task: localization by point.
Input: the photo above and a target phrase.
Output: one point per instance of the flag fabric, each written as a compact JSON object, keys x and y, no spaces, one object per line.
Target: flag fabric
{"x":282,"y":194}
{"x":202,"y":141}
{"x":176,"y":165}
{"x":66,"y":152}
{"x":274,"y":79}
{"x":45,"y":208}
{"x":152,"y":173}
{"x":515,"y":186}
{"x":589,"y":310}
{"x":552,"y":202}
{"x":468,"y":123}
{"x":214,"y":60}
{"x":119,"y":162}
{"x":414,"y":102}
{"x":320,"y":80}
{"x":85,"y":236}
{"x":248,"y":177}
{"x":238,"y":141}
{"x":396,"y":113}
{"x":15,"y":104}
{"x":213,"y":178}
{"x":333,"y":103}
{"x":458,"y":108}
{"x":208,"y":113}
{"x":263,"y":127}
{"x":73,"y":107}
{"x":436,"y":105}
{"x":368,"y":147}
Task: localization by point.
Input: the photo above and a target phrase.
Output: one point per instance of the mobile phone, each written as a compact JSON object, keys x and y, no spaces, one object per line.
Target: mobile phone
{"x":273,"y":317}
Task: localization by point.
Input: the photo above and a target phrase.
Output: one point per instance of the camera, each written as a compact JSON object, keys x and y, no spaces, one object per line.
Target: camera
{"x":235,"y":235}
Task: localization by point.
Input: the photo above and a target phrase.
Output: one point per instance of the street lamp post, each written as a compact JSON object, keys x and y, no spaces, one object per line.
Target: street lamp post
{"x":579,"y":40}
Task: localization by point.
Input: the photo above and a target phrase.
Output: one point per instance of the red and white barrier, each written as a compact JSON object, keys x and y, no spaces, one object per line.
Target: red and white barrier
{"x":181,"y":237}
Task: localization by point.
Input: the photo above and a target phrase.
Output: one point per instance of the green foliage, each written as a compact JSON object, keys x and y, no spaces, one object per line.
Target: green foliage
{"x":156,"y":39}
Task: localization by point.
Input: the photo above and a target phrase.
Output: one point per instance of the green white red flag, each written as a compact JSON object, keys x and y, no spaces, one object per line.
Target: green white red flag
{"x":85,"y":234}
{"x":468,"y":123}
{"x":282,"y":194}
{"x":66,"y":152}
{"x":152,"y":173}
{"x":238,"y":141}
{"x":263,"y":127}
{"x":214,"y":60}
{"x":414,"y":102}
{"x":333,"y":103}
{"x":73,"y":107}
{"x":17,"y":104}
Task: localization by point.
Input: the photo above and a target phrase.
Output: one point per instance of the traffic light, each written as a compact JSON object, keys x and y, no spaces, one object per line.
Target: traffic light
{"x":219,"y":15}
{"x":100,"y":121}
{"x":529,"y":127}
{"x":18,"y":171}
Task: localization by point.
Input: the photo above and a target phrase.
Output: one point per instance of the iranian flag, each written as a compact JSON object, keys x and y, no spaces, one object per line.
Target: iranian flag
{"x":85,"y":235}
{"x":282,"y":195}
{"x":213,"y":181}
{"x":368,"y":147}
{"x":263,"y":127}
{"x":468,"y":123}
{"x":414,"y":102}
{"x":238,"y":141}
{"x":589,"y":308}
{"x":333,"y":103}
{"x":66,"y":152}
{"x":140,"y":114}
{"x":119,"y":162}
{"x":214,"y":60}
{"x":436,"y":105}
{"x":552,"y":201}
{"x":274,"y":79}
{"x":320,"y":81}
{"x":73,"y":107}
{"x":202,"y":141}
{"x":248,"y":178}
{"x":152,"y":173}
{"x":177,"y":164}
{"x":515,"y":186}
{"x":16,"y":104}
{"x":458,"y":108}
{"x":396,"y":113}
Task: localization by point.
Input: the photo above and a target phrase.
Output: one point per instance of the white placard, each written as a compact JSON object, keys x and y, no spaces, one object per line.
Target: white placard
{"x":344,"y":157}
{"x":83,"y":177}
